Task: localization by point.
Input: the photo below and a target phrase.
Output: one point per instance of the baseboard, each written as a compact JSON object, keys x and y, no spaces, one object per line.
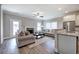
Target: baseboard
{"x":9,"y":37}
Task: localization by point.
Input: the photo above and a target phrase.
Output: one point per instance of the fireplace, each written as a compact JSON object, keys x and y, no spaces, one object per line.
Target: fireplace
{"x":31,"y":30}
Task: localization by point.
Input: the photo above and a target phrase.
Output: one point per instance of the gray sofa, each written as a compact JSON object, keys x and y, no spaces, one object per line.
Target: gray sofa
{"x":25,"y":40}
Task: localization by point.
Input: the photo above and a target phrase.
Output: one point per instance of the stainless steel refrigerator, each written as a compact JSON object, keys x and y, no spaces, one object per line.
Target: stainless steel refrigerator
{"x":69,"y":26}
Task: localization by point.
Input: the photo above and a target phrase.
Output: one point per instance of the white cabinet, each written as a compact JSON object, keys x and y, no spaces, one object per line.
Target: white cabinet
{"x":66,"y":44}
{"x":69,"y":18}
{"x":77,"y":20}
{"x":74,"y":17}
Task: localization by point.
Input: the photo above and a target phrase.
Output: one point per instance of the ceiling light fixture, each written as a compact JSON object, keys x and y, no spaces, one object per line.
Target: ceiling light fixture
{"x":38,"y":14}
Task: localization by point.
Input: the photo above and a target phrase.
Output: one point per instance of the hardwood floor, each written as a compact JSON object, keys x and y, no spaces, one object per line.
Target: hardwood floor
{"x":10,"y":47}
{"x":44,"y":48}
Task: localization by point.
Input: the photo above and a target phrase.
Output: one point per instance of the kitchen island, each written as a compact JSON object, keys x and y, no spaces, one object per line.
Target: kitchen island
{"x":66,"y":43}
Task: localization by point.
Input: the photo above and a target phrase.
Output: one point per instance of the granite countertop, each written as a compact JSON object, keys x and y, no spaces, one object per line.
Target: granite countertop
{"x":68,"y":33}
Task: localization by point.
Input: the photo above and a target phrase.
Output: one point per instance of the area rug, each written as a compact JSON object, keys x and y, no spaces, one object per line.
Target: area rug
{"x":38,"y":41}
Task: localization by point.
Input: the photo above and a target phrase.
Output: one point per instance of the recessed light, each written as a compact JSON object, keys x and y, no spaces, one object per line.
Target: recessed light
{"x":59,"y":9}
{"x":66,"y":11}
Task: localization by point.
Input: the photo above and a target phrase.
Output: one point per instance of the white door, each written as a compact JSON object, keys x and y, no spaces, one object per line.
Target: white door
{"x":15,"y":27}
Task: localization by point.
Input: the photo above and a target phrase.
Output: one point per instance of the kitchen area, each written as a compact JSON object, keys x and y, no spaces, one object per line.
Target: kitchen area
{"x":67,"y":40}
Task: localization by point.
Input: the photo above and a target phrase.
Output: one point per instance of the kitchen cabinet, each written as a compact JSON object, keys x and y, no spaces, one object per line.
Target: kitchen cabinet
{"x":73,"y":17}
{"x":77,"y":20}
{"x":69,"y":18}
{"x":67,"y":43}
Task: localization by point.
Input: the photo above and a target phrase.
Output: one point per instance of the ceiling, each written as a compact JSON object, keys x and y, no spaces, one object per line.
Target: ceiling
{"x":49,"y":10}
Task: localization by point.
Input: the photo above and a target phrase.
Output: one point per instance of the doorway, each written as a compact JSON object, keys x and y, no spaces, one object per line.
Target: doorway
{"x":15,"y":27}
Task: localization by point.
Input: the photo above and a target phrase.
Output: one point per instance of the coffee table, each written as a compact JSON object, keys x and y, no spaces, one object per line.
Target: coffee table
{"x":39,"y":35}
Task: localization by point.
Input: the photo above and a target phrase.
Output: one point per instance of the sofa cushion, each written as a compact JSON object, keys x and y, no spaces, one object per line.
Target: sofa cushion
{"x":21,"y":33}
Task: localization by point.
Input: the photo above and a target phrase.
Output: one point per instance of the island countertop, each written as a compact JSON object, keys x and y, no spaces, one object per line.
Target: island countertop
{"x":76,"y":33}
{"x":67,"y":42}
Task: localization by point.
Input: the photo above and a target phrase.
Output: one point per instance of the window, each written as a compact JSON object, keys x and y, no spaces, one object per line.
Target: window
{"x":51,"y":25}
{"x":48,"y":25}
{"x":54,"y":25}
{"x":38,"y":26}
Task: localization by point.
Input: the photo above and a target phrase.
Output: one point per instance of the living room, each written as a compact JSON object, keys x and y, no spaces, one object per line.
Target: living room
{"x":40,"y":26}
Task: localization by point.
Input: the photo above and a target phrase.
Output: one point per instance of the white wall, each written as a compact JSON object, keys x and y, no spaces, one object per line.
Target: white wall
{"x":26,"y":22}
{"x":7,"y":31}
{"x":1,"y":25}
{"x":6,"y":25}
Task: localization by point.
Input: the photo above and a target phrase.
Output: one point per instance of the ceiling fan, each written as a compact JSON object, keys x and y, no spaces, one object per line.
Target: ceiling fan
{"x":38,"y":14}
